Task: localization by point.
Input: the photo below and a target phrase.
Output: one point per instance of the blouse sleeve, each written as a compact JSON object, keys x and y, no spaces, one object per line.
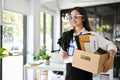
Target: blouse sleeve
{"x":104,"y":43}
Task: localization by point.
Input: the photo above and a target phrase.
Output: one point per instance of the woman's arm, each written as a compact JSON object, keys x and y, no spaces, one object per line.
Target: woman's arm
{"x":109,"y":63}
{"x":63,"y":54}
{"x":111,"y":54}
{"x":110,"y":47}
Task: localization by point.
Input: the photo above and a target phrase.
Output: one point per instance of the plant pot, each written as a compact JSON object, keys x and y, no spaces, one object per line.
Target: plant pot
{"x":47,"y":62}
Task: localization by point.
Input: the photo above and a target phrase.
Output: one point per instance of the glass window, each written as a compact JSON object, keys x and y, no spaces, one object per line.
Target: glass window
{"x":102,"y":19}
{"x":41,"y":28}
{"x":12,"y":32}
{"x":46,"y":23}
{"x":48,"y":31}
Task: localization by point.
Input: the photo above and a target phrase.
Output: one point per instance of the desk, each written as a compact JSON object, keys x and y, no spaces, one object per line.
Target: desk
{"x":52,"y":66}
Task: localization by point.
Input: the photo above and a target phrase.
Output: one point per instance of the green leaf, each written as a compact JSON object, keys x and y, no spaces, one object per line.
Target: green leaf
{"x":36,"y":57}
{"x":2,"y":55}
{"x":46,"y":57}
{"x":42,"y":52}
{"x":2,"y":50}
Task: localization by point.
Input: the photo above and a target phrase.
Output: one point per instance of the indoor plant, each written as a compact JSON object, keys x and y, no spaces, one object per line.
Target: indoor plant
{"x":42,"y":55}
{"x":46,"y":59}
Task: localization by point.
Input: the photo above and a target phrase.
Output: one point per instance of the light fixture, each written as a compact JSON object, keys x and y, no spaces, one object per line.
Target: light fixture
{"x":45,"y":1}
{"x":77,"y":1}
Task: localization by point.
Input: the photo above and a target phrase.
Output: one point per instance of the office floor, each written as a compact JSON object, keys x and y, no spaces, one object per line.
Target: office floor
{"x":53,"y":76}
{"x":102,"y":77}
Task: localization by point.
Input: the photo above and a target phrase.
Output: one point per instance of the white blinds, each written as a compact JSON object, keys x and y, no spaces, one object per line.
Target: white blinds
{"x":19,"y":6}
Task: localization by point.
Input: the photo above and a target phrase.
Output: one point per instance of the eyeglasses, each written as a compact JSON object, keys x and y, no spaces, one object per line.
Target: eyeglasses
{"x":74,"y":17}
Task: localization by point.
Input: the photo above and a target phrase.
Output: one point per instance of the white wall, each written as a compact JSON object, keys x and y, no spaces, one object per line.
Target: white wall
{"x":56,"y":29}
{"x":33,"y":32}
{"x":33,"y":27}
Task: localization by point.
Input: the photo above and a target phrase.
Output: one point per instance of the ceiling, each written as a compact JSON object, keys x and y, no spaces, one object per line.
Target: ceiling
{"x":65,"y":4}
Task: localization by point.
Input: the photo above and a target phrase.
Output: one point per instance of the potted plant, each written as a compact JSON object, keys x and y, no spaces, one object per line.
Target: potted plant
{"x":46,"y":59}
{"x":42,"y":55}
{"x":2,"y":55}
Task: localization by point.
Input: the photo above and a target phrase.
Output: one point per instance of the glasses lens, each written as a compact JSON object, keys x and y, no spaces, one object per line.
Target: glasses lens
{"x":75,"y":17}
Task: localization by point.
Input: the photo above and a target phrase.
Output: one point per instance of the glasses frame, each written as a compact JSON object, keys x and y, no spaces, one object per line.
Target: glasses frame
{"x":75,"y":17}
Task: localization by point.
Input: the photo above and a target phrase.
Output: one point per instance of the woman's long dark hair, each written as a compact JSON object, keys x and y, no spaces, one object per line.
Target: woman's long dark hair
{"x":82,"y":12}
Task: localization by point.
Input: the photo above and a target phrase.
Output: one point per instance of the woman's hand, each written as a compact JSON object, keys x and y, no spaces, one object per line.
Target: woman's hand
{"x":109,"y":62}
{"x":108,"y":65}
{"x":63,"y":54}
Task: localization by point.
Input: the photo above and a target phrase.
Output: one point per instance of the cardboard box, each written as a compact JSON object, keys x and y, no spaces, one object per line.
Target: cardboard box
{"x":88,"y":61}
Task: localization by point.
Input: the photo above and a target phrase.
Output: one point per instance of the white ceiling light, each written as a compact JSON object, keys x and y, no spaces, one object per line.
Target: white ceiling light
{"x":75,"y":1}
{"x":88,"y":0}
{"x":45,"y":1}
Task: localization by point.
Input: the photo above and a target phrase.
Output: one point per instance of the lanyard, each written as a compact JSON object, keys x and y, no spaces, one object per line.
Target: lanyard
{"x":72,"y":46}
{"x":73,"y":39}
{"x":80,"y":33}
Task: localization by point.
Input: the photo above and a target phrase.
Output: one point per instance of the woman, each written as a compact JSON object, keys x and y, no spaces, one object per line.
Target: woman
{"x":78,"y":19}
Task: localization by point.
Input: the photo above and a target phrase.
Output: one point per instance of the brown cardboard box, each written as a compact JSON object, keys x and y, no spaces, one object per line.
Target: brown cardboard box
{"x":89,"y":61}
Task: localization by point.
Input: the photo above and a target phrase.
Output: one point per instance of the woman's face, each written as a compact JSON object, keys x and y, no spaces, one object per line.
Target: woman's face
{"x":76,"y":19}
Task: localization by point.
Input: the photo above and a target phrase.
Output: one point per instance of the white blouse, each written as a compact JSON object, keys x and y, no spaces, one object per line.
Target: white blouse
{"x":102,"y":43}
